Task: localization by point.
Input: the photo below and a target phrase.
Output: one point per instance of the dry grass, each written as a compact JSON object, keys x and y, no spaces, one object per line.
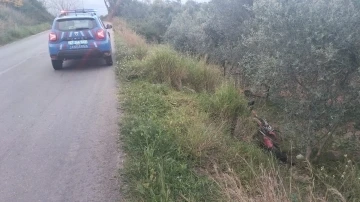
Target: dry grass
{"x":272,"y":183}
{"x":266,"y":187}
{"x":130,"y":37}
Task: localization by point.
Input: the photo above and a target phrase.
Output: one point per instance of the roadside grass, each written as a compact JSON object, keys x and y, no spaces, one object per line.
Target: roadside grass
{"x":14,"y":25}
{"x":187,"y":134}
{"x":14,"y":33}
{"x":156,"y":168}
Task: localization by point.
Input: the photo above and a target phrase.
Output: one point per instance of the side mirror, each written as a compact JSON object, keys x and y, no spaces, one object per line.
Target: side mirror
{"x":108,"y":26}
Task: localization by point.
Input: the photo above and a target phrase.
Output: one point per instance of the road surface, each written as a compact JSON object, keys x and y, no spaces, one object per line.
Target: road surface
{"x":58,"y":129}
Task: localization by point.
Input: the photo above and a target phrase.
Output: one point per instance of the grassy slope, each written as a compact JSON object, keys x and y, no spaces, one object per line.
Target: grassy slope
{"x":17,"y":23}
{"x":180,"y":115}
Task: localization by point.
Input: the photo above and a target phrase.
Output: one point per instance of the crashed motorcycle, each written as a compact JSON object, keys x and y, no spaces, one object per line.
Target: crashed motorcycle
{"x":269,"y":139}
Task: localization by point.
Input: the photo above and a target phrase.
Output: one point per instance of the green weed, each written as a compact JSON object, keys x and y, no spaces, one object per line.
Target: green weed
{"x":202,"y":77}
{"x":226,"y":104}
{"x":157,"y":169}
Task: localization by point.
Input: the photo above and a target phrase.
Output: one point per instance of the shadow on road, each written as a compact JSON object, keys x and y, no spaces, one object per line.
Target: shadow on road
{"x":83,"y":65}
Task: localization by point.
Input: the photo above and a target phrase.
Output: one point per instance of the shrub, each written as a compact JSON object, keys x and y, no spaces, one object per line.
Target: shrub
{"x":226,"y":104}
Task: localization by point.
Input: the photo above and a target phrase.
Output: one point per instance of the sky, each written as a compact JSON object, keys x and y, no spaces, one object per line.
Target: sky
{"x":101,"y":9}
{"x":96,"y":4}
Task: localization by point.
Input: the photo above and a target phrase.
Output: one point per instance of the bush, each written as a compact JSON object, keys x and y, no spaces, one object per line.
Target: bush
{"x":226,"y":104}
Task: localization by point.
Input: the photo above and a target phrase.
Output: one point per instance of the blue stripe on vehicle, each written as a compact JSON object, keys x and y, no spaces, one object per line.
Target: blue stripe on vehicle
{"x":95,"y":44}
{"x":62,"y":35}
{"x":82,"y":34}
{"x":70,"y":34}
{"x":90,"y":34}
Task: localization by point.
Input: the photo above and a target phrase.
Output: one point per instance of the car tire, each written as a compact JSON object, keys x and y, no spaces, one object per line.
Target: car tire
{"x":109,"y":61}
{"x":57,"y":64}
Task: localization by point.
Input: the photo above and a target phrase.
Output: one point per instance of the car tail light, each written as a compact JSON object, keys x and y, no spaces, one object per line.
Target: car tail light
{"x":52,"y":37}
{"x":100,"y":34}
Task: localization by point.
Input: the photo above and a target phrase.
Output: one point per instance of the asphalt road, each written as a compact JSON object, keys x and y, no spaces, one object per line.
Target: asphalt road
{"x":58,"y":129}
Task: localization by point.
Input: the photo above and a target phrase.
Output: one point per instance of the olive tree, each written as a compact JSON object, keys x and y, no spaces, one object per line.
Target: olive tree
{"x":212,"y":29}
{"x":186,"y":31}
{"x":224,"y":28}
{"x":307,"y":52}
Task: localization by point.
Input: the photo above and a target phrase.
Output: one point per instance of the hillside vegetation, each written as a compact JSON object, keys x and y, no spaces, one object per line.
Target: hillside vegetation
{"x":22,"y":18}
{"x":298,"y":59}
{"x":182,"y":143}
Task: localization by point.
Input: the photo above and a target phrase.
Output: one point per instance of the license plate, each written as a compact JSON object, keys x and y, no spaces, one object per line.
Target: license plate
{"x":78,"y":46}
{"x":81,"y":42}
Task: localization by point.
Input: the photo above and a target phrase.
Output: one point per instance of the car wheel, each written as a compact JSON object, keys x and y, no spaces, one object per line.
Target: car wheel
{"x":57,"y":64}
{"x":109,"y":61}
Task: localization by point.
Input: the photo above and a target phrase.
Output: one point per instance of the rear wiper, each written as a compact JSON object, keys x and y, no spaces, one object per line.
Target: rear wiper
{"x":81,"y":28}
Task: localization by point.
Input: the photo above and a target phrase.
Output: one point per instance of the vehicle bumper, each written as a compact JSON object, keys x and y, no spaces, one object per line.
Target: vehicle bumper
{"x":81,"y":53}
{"x":97,"y":49}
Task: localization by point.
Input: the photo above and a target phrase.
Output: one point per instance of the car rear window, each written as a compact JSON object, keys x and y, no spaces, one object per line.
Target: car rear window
{"x":75,"y":24}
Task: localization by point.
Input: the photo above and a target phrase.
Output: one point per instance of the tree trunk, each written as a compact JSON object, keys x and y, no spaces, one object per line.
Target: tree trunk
{"x":113,"y":7}
{"x":107,"y":5}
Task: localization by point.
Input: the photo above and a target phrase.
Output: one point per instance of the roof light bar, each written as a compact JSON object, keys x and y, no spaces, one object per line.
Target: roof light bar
{"x":65,"y":12}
